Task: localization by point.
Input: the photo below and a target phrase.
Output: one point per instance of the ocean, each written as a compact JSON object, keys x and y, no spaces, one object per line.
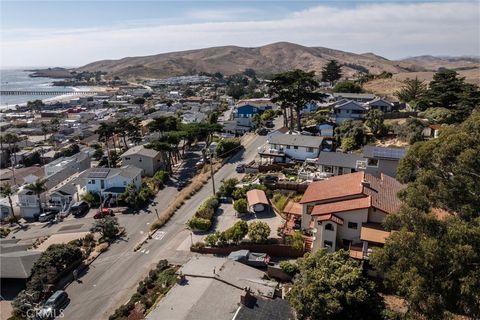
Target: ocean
{"x":19,"y":80}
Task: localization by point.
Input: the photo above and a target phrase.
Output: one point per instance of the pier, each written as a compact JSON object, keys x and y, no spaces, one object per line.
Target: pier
{"x":44,"y":93}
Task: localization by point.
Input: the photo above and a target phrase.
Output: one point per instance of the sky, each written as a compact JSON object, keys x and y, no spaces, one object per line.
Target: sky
{"x":73,"y":33}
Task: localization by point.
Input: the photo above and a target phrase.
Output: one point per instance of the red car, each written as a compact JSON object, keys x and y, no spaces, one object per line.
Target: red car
{"x":103,"y":213}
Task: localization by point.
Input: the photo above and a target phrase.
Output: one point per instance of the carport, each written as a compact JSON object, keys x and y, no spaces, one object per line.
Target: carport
{"x":257,"y":201}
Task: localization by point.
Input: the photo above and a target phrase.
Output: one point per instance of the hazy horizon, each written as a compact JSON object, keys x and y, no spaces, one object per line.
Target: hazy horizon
{"x":112,"y":30}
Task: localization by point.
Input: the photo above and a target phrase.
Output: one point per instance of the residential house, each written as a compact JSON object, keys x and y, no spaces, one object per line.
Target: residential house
{"x":111,"y":182}
{"x":193,"y":117}
{"x":432,"y":131}
{"x":281,"y":147}
{"x":348,"y":110}
{"x":149,"y":160}
{"x":243,"y":115}
{"x":381,"y":160}
{"x":56,"y":173}
{"x":341,"y":211}
{"x":379,"y":104}
{"x":338,"y":163}
{"x":326,"y":129}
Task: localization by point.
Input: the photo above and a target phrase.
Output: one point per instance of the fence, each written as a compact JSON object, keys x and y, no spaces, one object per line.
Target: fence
{"x":400,"y":115}
{"x":298,"y":187}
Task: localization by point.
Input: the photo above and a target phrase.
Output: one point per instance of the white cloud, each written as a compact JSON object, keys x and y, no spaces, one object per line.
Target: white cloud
{"x":391,"y":30}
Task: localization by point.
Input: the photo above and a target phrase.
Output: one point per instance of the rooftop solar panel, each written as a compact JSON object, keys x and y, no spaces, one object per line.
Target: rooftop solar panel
{"x":99,"y":173}
{"x":388,"y":153}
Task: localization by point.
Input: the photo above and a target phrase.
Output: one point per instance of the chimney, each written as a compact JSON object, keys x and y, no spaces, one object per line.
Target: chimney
{"x":247,"y":299}
{"x":365,"y":183}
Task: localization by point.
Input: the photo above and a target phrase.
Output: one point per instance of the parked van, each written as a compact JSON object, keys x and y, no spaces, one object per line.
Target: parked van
{"x":79,"y":208}
{"x":54,"y":305}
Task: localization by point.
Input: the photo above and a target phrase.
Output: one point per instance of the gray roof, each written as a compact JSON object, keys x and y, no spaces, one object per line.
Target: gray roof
{"x":266,"y":309}
{"x":354,"y":95}
{"x":384,"y":153}
{"x":296,"y":140}
{"x":141,"y":151}
{"x":350,"y":103}
{"x":339,"y":159}
{"x":18,"y":265}
{"x":127,"y":172}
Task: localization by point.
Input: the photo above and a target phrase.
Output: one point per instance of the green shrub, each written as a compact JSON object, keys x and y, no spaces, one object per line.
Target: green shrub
{"x":227,"y":147}
{"x":92,"y":198}
{"x":242,"y":192}
{"x":4,"y":231}
{"x":289,"y":268}
{"x":241,"y":205}
{"x":198,"y":245}
{"x":296,"y":240}
{"x":258,"y":231}
{"x":227,"y":188}
{"x":199,"y":224}
{"x":211,"y":239}
{"x":237,"y":232}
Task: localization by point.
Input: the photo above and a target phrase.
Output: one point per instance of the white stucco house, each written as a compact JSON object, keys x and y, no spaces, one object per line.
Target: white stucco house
{"x":283,"y":147}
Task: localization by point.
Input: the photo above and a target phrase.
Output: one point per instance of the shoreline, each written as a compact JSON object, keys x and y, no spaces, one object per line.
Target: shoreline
{"x":61,"y":98}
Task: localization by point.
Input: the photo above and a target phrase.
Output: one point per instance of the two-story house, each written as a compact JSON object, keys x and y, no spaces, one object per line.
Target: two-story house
{"x":344,"y":211}
{"x":283,"y":147}
{"x":111,"y":182}
{"x":381,"y":160}
{"x":338,"y":163}
{"x":243,"y":114}
{"x":348,"y":110}
{"x":149,"y":160}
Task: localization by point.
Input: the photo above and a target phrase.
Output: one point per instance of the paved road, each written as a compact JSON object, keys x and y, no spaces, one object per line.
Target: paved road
{"x":113,"y":277}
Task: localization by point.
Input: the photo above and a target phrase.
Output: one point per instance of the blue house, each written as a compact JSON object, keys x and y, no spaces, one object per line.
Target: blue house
{"x":243,"y":114}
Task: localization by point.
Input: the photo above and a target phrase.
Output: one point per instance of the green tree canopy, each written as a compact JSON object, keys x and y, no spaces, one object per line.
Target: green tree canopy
{"x":332,"y":286}
{"x":354,"y":132}
{"x":347,"y":86}
{"x":294,"y":89}
{"x":258,"y":231}
{"x":331,"y":72}
{"x":107,"y":226}
{"x":241,"y":205}
{"x":412,"y":92}
{"x":374,"y":120}
{"x":237,"y":232}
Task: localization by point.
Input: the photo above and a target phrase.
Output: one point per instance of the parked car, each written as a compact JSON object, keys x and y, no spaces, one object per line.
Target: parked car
{"x":240,"y":168}
{"x":54,"y":304}
{"x":269,"y":124}
{"x":181,"y":184}
{"x":253,"y":259}
{"x":79,"y":209}
{"x":262,"y":131}
{"x":269,"y":179}
{"x":47,"y":216}
{"x":105,"y":212}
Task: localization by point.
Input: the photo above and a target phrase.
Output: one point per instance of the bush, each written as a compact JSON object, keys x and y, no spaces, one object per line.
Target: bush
{"x":289,"y":268}
{"x":4,"y":231}
{"x":280,"y":200}
{"x":92,"y":198}
{"x":227,"y":188}
{"x":237,"y":232}
{"x":296,"y":240}
{"x":199,"y":224}
{"x":207,"y":209}
{"x":347,"y":86}
{"x":258,"y":231}
{"x":241,"y":205}
{"x":242,"y":192}
{"x":161,"y":177}
{"x":211,"y":239}
{"x":198,"y":245}
{"x":227,"y":147}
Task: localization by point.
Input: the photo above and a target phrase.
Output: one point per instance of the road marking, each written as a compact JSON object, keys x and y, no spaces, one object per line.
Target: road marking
{"x":147,"y":252}
{"x":143,"y":251}
{"x":159,"y":235}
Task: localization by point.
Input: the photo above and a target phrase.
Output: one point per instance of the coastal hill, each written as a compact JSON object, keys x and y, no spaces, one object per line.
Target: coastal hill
{"x":268,"y":59}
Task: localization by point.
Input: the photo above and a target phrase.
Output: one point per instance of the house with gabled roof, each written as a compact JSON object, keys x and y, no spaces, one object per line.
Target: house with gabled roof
{"x":348,"y":110}
{"x":379,"y":104}
{"x":340,"y":211}
{"x":149,"y":160}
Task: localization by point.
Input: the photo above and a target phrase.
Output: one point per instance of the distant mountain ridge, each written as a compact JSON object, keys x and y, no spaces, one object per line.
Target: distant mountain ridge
{"x":268,"y":59}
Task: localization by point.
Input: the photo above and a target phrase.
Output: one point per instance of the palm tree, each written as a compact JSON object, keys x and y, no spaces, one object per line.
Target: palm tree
{"x":6,"y":191}
{"x":105,"y":132}
{"x":12,"y":139}
{"x":38,"y":187}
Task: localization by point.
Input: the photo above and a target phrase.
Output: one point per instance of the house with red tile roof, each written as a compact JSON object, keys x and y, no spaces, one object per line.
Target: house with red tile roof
{"x":339,"y":211}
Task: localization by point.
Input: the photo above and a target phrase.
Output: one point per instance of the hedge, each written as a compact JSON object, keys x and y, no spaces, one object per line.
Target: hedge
{"x":199,"y":224}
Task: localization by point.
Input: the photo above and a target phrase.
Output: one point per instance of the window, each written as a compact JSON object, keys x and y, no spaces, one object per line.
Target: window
{"x":102,"y":184}
{"x":352,"y":225}
{"x":127,"y":158}
{"x":140,"y":159}
{"x":372,"y":162}
{"x":309,"y":149}
{"x":288,"y":147}
{"x":124,"y":183}
{"x":295,"y":147}
{"x":346,"y":242}
{"x":91,"y":181}
{"x":329,"y":226}
{"x":328,"y":169}
{"x":340,"y":171}
{"x":327,"y":244}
